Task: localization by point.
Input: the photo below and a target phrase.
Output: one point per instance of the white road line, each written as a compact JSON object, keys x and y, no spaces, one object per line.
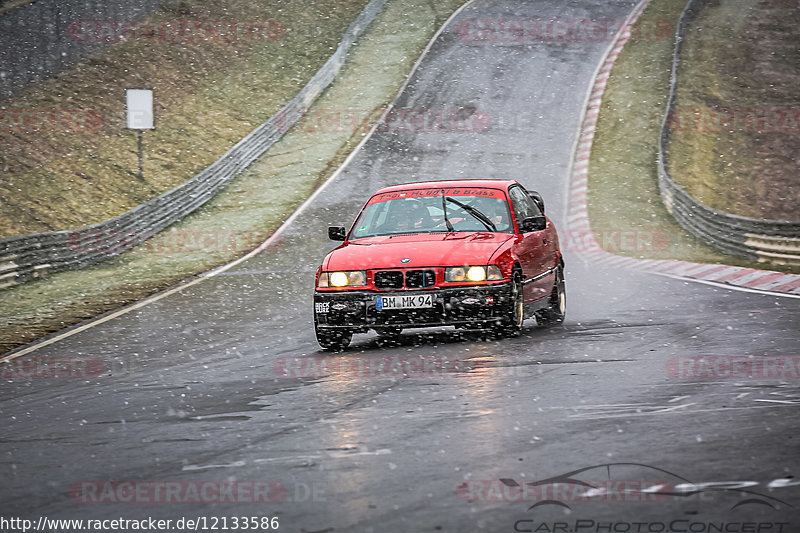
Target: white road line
{"x":292,"y":458}
{"x":190,"y":468}
{"x":693,"y":412}
{"x":677,"y":399}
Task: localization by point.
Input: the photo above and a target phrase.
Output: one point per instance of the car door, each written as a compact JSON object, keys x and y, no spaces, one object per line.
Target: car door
{"x":533,"y":249}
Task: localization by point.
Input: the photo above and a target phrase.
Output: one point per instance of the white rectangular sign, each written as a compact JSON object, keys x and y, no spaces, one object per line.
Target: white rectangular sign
{"x":139,"y":106}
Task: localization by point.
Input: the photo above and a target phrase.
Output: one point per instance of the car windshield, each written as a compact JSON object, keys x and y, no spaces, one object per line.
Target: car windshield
{"x":423,"y":211}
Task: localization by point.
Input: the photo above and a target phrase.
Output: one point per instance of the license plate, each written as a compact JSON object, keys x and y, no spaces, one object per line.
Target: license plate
{"x":420,"y":301}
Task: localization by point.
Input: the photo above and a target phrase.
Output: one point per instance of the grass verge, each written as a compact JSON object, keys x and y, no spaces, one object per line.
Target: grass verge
{"x":623,"y":181}
{"x":247,"y":211}
{"x":736,"y":133}
{"x":211,"y":88}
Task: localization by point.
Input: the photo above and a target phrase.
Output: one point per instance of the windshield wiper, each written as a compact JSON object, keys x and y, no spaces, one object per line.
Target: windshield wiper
{"x":444,"y":209}
{"x":474,"y":212}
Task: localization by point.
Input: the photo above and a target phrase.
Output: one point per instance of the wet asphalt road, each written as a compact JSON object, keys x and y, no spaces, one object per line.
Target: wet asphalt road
{"x":195,"y":387}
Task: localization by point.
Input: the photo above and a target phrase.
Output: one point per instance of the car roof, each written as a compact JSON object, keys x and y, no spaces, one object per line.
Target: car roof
{"x":435,"y":184}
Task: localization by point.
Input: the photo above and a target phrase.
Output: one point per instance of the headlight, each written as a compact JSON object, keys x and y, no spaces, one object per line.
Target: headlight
{"x":472,"y":273}
{"x":350,"y":278}
{"x":339,"y":279}
{"x":454,"y":274}
{"x":476,"y":273}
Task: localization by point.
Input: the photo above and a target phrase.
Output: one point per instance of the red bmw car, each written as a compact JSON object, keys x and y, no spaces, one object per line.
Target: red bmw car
{"x":472,"y":253}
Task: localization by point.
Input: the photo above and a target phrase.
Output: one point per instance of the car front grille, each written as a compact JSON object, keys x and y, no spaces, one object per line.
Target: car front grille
{"x":414,"y":279}
{"x":389,"y":279}
{"x":418,"y":279}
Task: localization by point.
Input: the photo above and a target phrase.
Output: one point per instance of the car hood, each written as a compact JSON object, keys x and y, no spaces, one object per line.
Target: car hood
{"x":420,"y":249}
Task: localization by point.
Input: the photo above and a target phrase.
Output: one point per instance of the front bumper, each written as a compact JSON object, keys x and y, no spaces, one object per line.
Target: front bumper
{"x":358,"y":310}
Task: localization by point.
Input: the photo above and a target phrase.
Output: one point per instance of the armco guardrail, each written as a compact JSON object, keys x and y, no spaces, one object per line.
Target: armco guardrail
{"x":776,"y":241}
{"x":25,"y":257}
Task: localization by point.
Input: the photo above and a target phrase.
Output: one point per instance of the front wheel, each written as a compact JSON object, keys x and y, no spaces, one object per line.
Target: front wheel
{"x":333,"y":339}
{"x":557,"y":309}
{"x":511,"y":324}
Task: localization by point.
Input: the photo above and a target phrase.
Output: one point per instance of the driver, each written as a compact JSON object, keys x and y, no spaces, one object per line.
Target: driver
{"x":405,"y":218}
{"x":421,"y":217}
{"x":494,"y":211}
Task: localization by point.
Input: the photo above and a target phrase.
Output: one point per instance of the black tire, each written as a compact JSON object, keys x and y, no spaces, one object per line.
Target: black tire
{"x":333,"y":339}
{"x":555,"y":313}
{"x":511,"y":325}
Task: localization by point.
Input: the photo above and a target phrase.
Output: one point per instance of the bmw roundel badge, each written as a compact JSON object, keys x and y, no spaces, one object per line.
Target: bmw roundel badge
{"x":405,"y":260}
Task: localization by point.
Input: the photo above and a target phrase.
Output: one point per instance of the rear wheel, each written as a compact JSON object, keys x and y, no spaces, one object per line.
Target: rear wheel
{"x":554,"y":314}
{"x":333,"y":339}
{"x":511,"y":325}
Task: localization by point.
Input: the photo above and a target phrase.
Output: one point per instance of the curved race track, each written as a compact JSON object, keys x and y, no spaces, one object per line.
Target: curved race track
{"x":196,"y":391}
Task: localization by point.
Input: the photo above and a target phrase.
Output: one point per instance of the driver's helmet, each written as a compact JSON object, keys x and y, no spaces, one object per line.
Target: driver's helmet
{"x":494,"y":211}
{"x":419,"y":216}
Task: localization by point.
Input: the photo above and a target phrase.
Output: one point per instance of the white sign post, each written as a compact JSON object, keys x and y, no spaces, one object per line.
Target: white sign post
{"x":139,"y":111}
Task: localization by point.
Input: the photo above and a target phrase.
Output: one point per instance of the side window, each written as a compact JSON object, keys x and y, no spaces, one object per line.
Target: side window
{"x":524,"y":206}
{"x":533,"y":206}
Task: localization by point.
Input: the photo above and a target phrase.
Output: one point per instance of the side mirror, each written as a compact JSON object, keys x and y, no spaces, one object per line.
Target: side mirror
{"x":537,"y":198}
{"x":533,"y":224}
{"x":337,"y":233}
